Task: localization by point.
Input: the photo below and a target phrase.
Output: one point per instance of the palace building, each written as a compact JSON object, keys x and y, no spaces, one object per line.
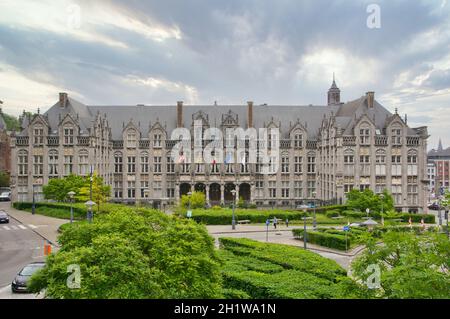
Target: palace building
{"x":325,"y":151}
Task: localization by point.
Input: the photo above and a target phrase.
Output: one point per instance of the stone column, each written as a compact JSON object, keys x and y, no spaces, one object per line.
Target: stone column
{"x":177,"y":193}
{"x":207,"y":194}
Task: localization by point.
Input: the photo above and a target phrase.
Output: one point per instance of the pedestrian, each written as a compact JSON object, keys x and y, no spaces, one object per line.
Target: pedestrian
{"x":287,"y":222}
{"x":275,"y":221}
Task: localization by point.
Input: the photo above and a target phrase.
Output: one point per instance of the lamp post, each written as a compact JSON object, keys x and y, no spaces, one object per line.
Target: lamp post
{"x":233,"y":220}
{"x":89,"y":205}
{"x":314,"y":203}
{"x":189,"y":200}
{"x":33,"y":207}
{"x":71,"y":194}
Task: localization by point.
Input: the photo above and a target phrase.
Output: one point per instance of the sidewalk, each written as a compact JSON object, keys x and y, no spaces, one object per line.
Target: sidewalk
{"x":47,"y":227}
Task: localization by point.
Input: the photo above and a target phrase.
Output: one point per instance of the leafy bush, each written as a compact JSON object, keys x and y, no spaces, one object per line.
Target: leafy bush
{"x":332,"y":213}
{"x":279,"y":271}
{"x":134,"y":253}
{"x":325,"y":239}
{"x":196,"y":200}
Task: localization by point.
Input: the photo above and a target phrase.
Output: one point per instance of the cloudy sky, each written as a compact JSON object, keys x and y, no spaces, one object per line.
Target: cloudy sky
{"x":275,"y":52}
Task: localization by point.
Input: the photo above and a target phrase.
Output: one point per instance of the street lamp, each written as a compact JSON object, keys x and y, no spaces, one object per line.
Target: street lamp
{"x":33,"y":207}
{"x":71,"y":194}
{"x":89,"y":205}
{"x":314,"y":203}
{"x":233,"y":220}
{"x":304,"y":228}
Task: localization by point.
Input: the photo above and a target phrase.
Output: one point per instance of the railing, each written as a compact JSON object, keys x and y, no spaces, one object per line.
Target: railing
{"x":311,"y":145}
{"x":349,"y":141}
{"x":285,"y":144}
{"x":412,"y":141}
{"x":170,"y":143}
{"x":22,"y":140}
{"x":117,"y":144}
{"x":144,"y":143}
{"x":83,"y":140}
{"x":381,"y":140}
{"x":52,"y":140}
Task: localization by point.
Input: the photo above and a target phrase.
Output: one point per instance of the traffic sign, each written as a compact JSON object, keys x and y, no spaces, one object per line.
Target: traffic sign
{"x":346,"y":228}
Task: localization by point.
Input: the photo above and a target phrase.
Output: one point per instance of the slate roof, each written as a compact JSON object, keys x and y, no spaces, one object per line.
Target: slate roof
{"x":311,"y":116}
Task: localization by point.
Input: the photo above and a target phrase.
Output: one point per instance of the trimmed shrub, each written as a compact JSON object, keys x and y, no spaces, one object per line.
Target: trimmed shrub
{"x":332,"y":213}
{"x":325,"y":239}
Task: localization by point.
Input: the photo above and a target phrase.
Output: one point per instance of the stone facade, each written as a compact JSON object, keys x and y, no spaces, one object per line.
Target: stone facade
{"x":5,"y":150}
{"x":325,"y":151}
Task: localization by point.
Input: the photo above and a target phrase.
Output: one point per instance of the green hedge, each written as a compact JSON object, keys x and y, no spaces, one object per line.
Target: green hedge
{"x":325,"y":239}
{"x":263,"y":270}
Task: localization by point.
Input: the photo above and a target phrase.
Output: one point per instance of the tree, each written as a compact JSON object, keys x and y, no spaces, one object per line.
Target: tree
{"x":411,"y":266}
{"x":133,"y":253}
{"x":57,"y":188}
{"x":100,"y":191}
{"x":197,"y":200}
{"x":361,"y":200}
{"x":4,"y":179}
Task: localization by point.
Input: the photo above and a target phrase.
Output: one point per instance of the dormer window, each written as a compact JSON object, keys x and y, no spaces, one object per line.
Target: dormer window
{"x":298,"y":140}
{"x":364,"y":136}
{"x":396,"y":136}
{"x":68,"y":135}
{"x":38,"y":134}
{"x":131,"y":138}
{"x":157,"y":140}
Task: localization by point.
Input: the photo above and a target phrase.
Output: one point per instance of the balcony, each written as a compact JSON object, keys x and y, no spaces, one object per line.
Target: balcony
{"x":381,"y":140}
{"x":22,"y":140}
{"x":349,"y":141}
{"x":83,"y":140}
{"x":117,"y":144}
{"x":52,"y":140}
{"x":145,"y":144}
{"x":412,"y":141}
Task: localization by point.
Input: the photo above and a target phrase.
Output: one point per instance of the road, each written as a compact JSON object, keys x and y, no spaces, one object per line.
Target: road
{"x":19,"y":245}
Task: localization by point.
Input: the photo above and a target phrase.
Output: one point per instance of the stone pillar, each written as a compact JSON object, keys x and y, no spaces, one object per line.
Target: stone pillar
{"x":207,"y":194}
{"x":222,"y":194}
{"x":177,"y":193}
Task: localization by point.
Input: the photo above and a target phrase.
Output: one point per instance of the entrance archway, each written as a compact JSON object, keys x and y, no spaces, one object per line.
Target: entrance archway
{"x":200,"y":187}
{"x":214,"y":194}
{"x":184,"y":189}
{"x":228,"y":195}
{"x":245,"y":192}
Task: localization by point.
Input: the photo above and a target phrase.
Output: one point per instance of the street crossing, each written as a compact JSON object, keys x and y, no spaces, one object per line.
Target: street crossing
{"x":17,"y":227}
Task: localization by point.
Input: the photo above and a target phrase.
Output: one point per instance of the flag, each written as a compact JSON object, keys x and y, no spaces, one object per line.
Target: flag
{"x":410,"y":222}
{"x":181,"y":159}
{"x":228,"y":158}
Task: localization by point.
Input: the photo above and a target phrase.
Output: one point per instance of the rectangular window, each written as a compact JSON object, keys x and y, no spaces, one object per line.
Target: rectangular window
{"x":144,"y":164}
{"x":298,"y":160}
{"x":157,"y":164}
{"x":170,"y":165}
{"x":118,"y":163}
{"x":38,"y":165}
{"x":131,"y":189}
{"x":68,"y":136}
{"x":68,"y":164}
{"x":53,"y":164}
{"x":131,"y":164}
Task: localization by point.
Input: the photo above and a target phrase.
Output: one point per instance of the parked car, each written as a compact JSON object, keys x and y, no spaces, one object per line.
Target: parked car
{"x":4,"y":218}
{"x":434,"y":206}
{"x":19,"y":283}
{"x":5,"y":197}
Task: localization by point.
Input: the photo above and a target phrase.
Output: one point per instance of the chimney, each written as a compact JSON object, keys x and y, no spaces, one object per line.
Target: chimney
{"x":63,"y":99}
{"x":370,"y":99}
{"x":250,"y":113}
{"x":180,"y":114}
